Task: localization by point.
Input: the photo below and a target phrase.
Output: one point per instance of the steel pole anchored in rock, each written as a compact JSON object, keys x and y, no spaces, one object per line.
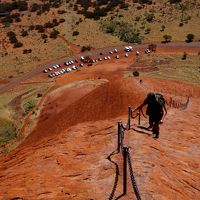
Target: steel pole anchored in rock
{"x":125,"y":153}
{"x":128,"y":126}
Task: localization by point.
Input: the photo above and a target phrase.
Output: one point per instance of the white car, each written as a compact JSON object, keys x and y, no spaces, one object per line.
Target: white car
{"x":147,"y":51}
{"x":110,"y":52}
{"x":127,"y":49}
{"x":115,"y":50}
{"x":50,"y":69}
{"x":69,"y":69}
{"x":105,"y":58}
{"x":82,"y":58}
{"x":81,"y":65}
{"x":45,"y":70}
{"x":109,"y":58}
{"x":74,"y":67}
{"x":100,"y":59}
{"x":130,"y":47}
{"x":137,"y":53}
{"x":72,"y":62}
{"x":126,"y":55}
{"x":117,"y":57}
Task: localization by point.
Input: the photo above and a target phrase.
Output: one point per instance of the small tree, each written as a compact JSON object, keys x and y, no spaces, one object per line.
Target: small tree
{"x":18,"y":44}
{"x":12,"y":37}
{"x":24,"y":33}
{"x":54,"y":34}
{"x":44,"y":36}
{"x":136,"y":73}
{"x":190,"y":37}
{"x":75,"y":33}
{"x":147,"y":31}
{"x":167,"y":38}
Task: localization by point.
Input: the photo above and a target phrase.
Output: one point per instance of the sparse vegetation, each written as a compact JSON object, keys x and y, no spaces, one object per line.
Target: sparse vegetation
{"x":54,"y":34}
{"x":190,"y":37}
{"x":167,"y":38}
{"x":75,"y":33}
{"x":136,"y":73}
{"x":123,"y":31}
{"x":8,"y":131}
{"x":12,"y":37}
{"x":18,"y":45}
{"x":86,"y":48}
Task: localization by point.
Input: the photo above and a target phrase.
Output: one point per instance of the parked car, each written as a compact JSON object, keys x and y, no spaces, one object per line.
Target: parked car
{"x":45,"y":70}
{"x":101,"y":53}
{"x":110,"y":52}
{"x":137,"y":53}
{"x":50,"y":69}
{"x":74,"y":67}
{"x":147,"y":51}
{"x":105,"y":58}
{"x":69,"y":69}
{"x":115,"y":50}
{"x":81,"y":65}
{"x":117,"y":56}
{"x":100,"y":59}
{"x":126,"y":55}
{"x":109,"y":58}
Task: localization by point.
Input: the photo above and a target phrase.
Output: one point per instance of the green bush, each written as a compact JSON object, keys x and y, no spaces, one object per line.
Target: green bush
{"x":149,"y":17}
{"x":167,"y":38}
{"x":75,"y":33}
{"x":24,"y":33}
{"x":86,"y":48}
{"x":54,"y":34}
{"x":147,"y":31}
{"x":12,"y":37}
{"x":190,"y":37}
{"x":18,"y":45}
{"x":136,"y":73}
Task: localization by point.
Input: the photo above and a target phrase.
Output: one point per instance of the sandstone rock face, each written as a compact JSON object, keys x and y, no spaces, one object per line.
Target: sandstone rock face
{"x":66,"y":155}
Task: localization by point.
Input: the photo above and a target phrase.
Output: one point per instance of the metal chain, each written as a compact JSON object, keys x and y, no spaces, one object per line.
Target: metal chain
{"x":135,"y":115}
{"x":143,"y":114}
{"x":174,"y":104}
{"x":133,"y":181}
{"x":116,"y":181}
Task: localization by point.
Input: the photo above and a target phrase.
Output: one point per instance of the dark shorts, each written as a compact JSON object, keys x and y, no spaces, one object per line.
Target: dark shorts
{"x":155,"y":117}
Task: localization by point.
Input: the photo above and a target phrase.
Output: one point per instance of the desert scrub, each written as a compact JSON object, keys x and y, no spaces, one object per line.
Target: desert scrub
{"x":29,"y":105}
{"x":123,"y":30}
{"x":8,"y":131}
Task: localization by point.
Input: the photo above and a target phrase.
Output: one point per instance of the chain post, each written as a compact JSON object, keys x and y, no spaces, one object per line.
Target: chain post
{"x":128,"y":126}
{"x":139,"y":118}
{"x":125,"y":153}
{"x":119,"y":137}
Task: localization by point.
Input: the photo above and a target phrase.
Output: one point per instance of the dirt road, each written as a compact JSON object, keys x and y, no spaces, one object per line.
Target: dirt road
{"x":17,"y":81}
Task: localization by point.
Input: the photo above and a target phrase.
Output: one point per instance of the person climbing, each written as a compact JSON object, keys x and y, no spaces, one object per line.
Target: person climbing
{"x":155,"y":104}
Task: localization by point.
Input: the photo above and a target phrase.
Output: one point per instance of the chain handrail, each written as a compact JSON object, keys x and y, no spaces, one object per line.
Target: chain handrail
{"x":121,"y":134}
{"x":174,"y":104}
{"x":116,"y":179}
{"x":133,"y":181}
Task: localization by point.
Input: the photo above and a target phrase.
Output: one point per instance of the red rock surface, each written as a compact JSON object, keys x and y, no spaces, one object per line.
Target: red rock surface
{"x":65,"y":156}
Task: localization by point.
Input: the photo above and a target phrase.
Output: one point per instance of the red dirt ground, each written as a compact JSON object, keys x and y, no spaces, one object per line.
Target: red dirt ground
{"x":65,"y":156}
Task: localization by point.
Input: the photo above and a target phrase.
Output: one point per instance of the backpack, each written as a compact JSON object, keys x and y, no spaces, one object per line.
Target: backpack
{"x":160,"y":99}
